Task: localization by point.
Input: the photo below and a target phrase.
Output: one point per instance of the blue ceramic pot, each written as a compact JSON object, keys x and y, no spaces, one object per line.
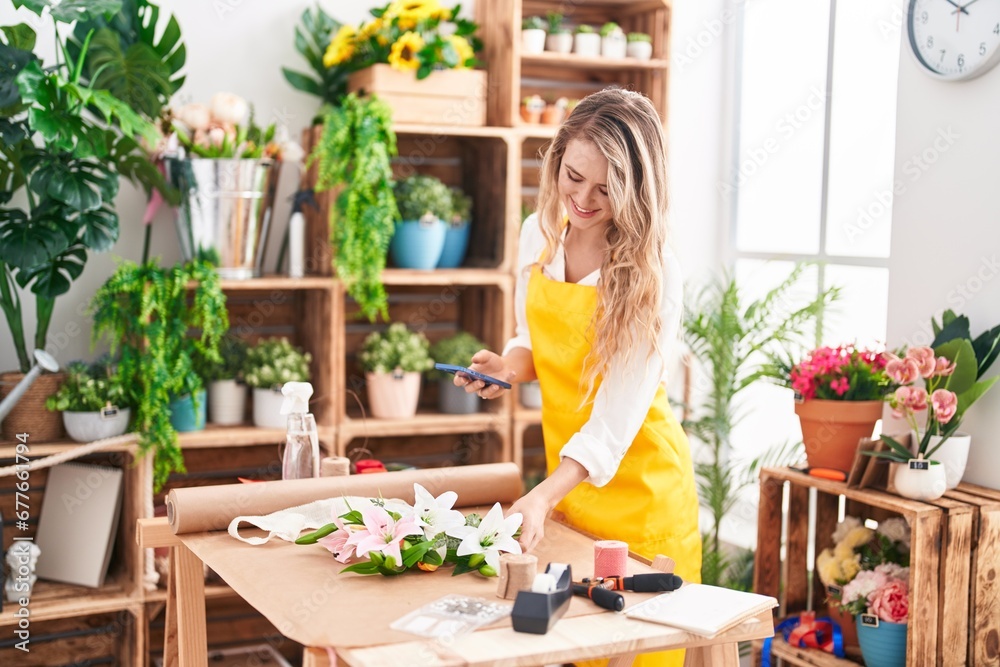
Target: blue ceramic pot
{"x":884,"y":646}
{"x":456,"y":242}
{"x":418,"y":244}
{"x":184,"y":417}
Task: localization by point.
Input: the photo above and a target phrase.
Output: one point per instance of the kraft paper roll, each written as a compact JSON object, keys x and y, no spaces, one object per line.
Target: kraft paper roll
{"x":517,"y":572}
{"x":199,"y":509}
{"x":334,"y":466}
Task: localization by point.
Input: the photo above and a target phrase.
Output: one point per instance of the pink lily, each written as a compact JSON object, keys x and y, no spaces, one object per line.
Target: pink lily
{"x":336,"y":542}
{"x":382,"y":534}
{"x":945,"y":405}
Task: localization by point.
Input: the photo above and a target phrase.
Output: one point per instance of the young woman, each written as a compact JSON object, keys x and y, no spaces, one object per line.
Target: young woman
{"x":598,"y":305}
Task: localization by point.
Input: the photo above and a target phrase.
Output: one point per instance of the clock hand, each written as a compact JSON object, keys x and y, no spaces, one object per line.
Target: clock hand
{"x":960,"y":8}
{"x":964,"y":6}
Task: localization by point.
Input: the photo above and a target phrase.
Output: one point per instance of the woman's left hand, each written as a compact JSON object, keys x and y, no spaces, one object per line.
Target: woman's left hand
{"x":534,"y":510}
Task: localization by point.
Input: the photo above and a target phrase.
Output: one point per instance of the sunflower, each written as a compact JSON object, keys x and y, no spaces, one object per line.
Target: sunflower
{"x":404,"y":52}
{"x":463,"y":49}
{"x":411,"y":12}
{"x":374,"y":28}
{"x":341,"y":46}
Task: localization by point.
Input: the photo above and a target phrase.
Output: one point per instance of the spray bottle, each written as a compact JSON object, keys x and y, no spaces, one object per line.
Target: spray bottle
{"x":301,"y":459}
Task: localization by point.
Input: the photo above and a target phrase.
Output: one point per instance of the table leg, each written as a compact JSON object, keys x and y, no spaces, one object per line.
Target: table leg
{"x":190,"y":636}
{"x":717,"y":655}
{"x":316,"y":657}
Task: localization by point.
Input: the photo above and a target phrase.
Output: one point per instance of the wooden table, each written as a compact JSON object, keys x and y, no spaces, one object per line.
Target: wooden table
{"x":571,"y":639}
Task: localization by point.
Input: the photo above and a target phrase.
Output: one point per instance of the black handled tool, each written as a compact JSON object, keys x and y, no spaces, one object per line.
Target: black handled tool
{"x":602,"y":596}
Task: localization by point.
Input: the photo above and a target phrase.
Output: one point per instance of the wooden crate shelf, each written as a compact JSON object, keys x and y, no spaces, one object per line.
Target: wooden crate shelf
{"x":574,"y":61}
{"x":52,"y":600}
{"x":444,"y":277}
{"x":451,"y":130}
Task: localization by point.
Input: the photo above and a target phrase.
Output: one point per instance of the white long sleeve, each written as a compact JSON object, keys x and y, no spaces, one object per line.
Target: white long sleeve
{"x":626,"y":393}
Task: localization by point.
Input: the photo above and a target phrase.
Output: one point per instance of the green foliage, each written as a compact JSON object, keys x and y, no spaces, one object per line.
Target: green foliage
{"x":88,"y":388}
{"x":555,"y":21}
{"x":273,"y":362}
{"x":398,"y":348}
{"x":461,"y":205}
{"x":250,"y":141}
{"x":148,"y":316}
{"x":610,"y":28}
{"x":232,"y":353}
{"x":456,"y":350}
{"x":311,"y":40}
{"x":986,"y":345}
{"x":639,"y":37}
{"x":419,"y":195}
{"x":584,"y":29}
{"x":731,"y":340}
{"x":533,"y":23}
{"x":353,"y":156}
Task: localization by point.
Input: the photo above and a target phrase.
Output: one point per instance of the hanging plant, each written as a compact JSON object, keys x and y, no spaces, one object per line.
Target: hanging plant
{"x":354,"y":155}
{"x":147,"y":315}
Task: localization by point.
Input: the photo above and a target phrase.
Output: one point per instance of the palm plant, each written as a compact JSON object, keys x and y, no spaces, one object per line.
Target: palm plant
{"x":731,"y":339}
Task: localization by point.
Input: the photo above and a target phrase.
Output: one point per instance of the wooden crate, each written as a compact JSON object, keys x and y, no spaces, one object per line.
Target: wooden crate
{"x":450,"y":97}
{"x":102,"y":638}
{"x":430,"y":450}
{"x":939,"y":557}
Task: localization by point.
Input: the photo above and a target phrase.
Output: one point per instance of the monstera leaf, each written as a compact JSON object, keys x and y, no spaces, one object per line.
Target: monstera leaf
{"x":67,"y":11}
{"x":14,"y":57}
{"x":81,"y":185}
{"x":100,"y":228}
{"x":54,"y":277}
{"x":311,"y":40}
{"x":29,"y":242}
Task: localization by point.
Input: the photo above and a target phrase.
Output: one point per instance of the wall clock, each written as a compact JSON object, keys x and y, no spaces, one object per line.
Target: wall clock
{"x":955,"y":40}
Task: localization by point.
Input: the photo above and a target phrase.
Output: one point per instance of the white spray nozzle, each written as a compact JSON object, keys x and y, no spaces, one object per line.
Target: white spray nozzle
{"x":296,"y":397}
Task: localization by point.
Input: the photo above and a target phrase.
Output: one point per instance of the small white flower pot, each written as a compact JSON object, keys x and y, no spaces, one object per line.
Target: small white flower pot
{"x":267,"y":409}
{"x":559,"y":42}
{"x":532,"y":41}
{"x":531,"y":395}
{"x":926,"y":484}
{"x":640,"y":50}
{"x":953,"y":455}
{"x":90,"y":426}
{"x":614,"y":45}
{"x":227,"y":401}
{"x":393,"y":395}
{"x":587,"y":44}
{"x":454,"y":400}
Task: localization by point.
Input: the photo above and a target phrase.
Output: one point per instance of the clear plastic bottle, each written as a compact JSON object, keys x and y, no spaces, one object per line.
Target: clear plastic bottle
{"x":301,"y":459}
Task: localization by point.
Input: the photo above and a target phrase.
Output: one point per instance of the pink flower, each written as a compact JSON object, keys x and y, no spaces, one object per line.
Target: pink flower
{"x":902,"y":371}
{"x":909,"y":398}
{"x":891,"y":602}
{"x":336,"y":542}
{"x":840,"y":386}
{"x":924,"y":356}
{"x":943,"y":367}
{"x":945,"y":405}
{"x":382,"y":533}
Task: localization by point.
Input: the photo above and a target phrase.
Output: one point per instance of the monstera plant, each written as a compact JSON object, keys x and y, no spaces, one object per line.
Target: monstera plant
{"x":66,"y":138}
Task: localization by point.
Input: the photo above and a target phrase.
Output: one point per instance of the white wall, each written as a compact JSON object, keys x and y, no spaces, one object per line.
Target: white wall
{"x":240,"y":45}
{"x":945,"y":227}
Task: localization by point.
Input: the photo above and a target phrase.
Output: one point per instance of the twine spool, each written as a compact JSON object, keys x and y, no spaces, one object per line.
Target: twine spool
{"x":334,"y":466}
{"x":610,"y":558}
{"x":517,"y":573}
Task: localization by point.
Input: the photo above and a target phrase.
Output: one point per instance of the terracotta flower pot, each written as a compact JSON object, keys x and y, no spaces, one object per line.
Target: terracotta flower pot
{"x":831,"y":430}
{"x":29,"y":414}
{"x":393,"y":395}
{"x":848,"y":628}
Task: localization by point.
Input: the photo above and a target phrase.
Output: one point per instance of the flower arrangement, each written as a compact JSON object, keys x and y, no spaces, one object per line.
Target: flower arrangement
{"x":398,"y":348}
{"x":273,"y":362}
{"x":418,"y":196}
{"x":88,"y":388}
{"x":883,"y":591}
{"x":858,"y":548}
{"x":410,"y":35}
{"x":843,"y":373}
{"x":389,"y":537}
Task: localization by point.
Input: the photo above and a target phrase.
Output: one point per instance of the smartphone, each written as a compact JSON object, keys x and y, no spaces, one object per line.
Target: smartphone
{"x":475,"y":375}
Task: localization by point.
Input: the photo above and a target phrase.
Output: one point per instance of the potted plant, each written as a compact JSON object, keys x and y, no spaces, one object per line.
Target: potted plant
{"x":393,"y":362}
{"x":613,"y":41}
{"x":555,"y":112}
{"x":532,"y":35}
{"x":586,"y":42}
{"x":559,"y":39}
{"x":147,"y":314}
{"x":269,"y":365}
{"x":879,"y":600}
{"x":189,"y":404}
{"x":456,"y":238}
{"x":532,"y":107}
{"x":640,"y":46}
{"x":92,"y":402}
{"x":67,"y":139}
{"x":424,"y":204}
{"x":456,"y":350}
{"x":227,"y":393}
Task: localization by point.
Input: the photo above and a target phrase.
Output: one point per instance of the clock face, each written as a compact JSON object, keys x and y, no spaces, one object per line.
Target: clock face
{"x":955,"y":39}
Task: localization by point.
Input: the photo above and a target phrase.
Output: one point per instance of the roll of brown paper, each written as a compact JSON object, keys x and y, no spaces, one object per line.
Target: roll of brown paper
{"x":517,"y":572}
{"x":198,"y":509}
{"x":334,"y":466}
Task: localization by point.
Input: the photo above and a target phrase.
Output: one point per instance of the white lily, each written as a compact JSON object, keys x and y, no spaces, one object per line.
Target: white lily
{"x":435,"y":515}
{"x":493,"y":535}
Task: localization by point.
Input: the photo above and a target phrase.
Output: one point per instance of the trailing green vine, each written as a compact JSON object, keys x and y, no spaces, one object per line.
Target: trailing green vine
{"x":354,"y":154}
{"x":147,"y":316}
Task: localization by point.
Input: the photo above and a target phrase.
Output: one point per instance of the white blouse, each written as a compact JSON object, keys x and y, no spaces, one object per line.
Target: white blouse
{"x":624,"y":397}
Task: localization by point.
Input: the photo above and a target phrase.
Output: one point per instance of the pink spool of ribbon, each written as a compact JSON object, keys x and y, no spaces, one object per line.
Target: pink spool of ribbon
{"x":610,"y":558}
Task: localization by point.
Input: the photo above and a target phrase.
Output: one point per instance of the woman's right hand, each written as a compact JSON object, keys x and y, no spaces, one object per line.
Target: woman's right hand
{"x":487,"y":363}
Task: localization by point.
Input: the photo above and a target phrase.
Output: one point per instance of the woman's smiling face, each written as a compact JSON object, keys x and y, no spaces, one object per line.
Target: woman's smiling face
{"x":583,"y":184}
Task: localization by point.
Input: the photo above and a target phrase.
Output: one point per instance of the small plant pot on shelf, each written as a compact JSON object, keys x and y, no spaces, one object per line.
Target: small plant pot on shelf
{"x":267,"y":408}
{"x":554,"y":114}
{"x":587,"y":44}
{"x":185,"y":416}
{"x":639,"y":50}
{"x":559,"y":42}
{"x":30,"y":414}
{"x":919,"y":483}
{"x":531,"y":395}
{"x":831,"y":430}
{"x":614,"y":46}
{"x":454,"y":400}
{"x":456,"y":243}
{"x":532,"y":41}
{"x":90,"y":426}
{"x":418,"y":244}
{"x":953,"y":456}
{"x":393,"y":395}
{"x":227,"y":402}
{"x":882,"y":646}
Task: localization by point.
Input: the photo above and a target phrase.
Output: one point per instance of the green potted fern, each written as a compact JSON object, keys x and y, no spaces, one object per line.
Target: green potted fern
{"x":227,"y":393}
{"x":456,"y":350}
{"x":92,"y":402}
{"x":269,"y":365}
{"x":424,"y":204}
{"x":393,"y":362}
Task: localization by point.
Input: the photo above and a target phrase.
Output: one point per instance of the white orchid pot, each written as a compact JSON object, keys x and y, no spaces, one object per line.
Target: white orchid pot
{"x":532,"y":41}
{"x":919,"y":484}
{"x":227,"y":402}
{"x":614,"y":45}
{"x":90,"y":426}
{"x":587,"y":44}
{"x":559,"y":42}
{"x":267,"y":408}
{"x":640,"y":50}
{"x":393,"y":395}
{"x":953,"y":456}
{"x":531,"y":395}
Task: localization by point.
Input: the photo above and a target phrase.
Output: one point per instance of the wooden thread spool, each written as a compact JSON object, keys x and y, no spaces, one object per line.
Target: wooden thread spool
{"x":334,"y":466}
{"x":517,"y":573}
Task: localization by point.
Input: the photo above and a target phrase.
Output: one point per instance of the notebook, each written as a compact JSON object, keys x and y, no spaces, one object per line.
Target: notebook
{"x":703,"y":610}
{"x":77,"y":523}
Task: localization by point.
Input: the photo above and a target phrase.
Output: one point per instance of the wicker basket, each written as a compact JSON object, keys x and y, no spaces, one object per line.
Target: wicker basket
{"x":29,"y":415}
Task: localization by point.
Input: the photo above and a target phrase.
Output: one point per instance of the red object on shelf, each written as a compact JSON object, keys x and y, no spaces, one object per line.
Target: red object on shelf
{"x":369,"y":465}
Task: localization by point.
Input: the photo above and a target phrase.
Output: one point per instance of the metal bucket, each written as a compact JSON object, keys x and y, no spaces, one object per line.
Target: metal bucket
{"x":225,"y":211}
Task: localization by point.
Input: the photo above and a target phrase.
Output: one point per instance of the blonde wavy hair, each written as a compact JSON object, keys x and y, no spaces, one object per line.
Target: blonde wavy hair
{"x":626,"y":128}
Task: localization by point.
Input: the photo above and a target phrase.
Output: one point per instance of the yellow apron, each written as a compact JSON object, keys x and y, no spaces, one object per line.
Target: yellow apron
{"x":651,"y":502}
